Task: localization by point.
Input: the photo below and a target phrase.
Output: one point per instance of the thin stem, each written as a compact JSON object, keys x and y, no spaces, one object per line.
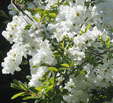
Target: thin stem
{"x":19,"y":9}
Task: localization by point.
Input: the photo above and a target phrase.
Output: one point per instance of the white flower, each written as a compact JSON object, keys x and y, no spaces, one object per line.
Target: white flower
{"x":68,"y":21}
{"x":35,"y":80}
{"x":76,"y":54}
{"x":13,"y":60}
{"x":70,"y":84}
{"x":89,"y":35}
{"x":15,"y":29}
{"x":50,"y":3}
{"x":44,"y":55}
{"x":72,"y":22}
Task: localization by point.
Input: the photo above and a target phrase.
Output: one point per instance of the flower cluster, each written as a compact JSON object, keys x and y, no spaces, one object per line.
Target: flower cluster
{"x":71,"y":49}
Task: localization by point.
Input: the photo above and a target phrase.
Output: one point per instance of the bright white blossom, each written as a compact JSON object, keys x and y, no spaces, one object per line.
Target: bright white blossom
{"x":76,"y":34}
{"x":13,"y":60}
{"x":35,"y":80}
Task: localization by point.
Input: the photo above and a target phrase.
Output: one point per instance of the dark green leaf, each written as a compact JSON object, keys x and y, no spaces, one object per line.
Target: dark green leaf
{"x":15,"y":86}
{"x":32,"y":89}
{"x":65,"y":92}
{"x":28,"y":27}
{"x":3,"y":14}
{"x":61,"y":69}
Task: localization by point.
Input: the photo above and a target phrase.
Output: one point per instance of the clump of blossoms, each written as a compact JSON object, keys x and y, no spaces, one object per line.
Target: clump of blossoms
{"x":70,"y":44}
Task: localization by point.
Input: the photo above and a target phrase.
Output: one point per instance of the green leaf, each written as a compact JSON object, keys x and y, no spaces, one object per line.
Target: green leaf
{"x":108,"y":42}
{"x":22,"y":85}
{"x":53,"y":69}
{"x":39,"y":89}
{"x":28,"y":27}
{"x":88,"y":26}
{"x":28,"y":97}
{"x":46,"y":76}
{"x":61,"y":69}
{"x":28,"y":77}
{"x":32,"y":89}
{"x":65,"y":92}
{"x":103,"y":43}
{"x":15,"y":82}
{"x":107,"y":39}
{"x":15,"y":86}
{"x":17,"y":95}
{"x":53,"y":15}
{"x":83,"y":72}
{"x":44,"y":14}
{"x":36,"y":19}
{"x":63,"y":44}
{"x":51,"y":80}
{"x":18,"y":85}
{"x":38,"y":10}
{"x":65,"y":65}
{"x":49,"y":88}
{"x":46,"y":83}
{"x":34,"y":66}
{"x":111,"y":29}
{"x":66,"y":3}
{"x":3,"y":14}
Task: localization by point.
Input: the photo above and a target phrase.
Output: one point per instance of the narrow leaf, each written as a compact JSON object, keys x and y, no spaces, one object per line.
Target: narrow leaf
{"x":22,"y":86}
{"x":15,"y":86}
{"x":108,"y":42}
{"x":36,"y":19}
{"x":51,"y":80}
{"x":49,"y":88}
{"x":32,"y":89}
{"x":39,"y":89}
{"x":88,"y":26}
{"x":53,"y":15}
{"x":63,"y":68}
{"x":17,"y":95}
{"x":53,"y":69}
{"x":65,"y":65}
{"x":28,"y":97}
{"x":3,"y":14}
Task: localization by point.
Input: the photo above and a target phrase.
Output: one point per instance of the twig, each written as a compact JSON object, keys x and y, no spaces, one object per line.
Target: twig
{"x":19,"y":9}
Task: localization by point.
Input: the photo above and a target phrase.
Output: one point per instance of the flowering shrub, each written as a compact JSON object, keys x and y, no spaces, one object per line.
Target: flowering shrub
{"x":70,"y":44}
